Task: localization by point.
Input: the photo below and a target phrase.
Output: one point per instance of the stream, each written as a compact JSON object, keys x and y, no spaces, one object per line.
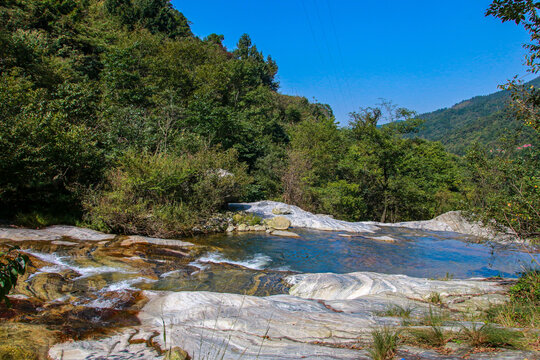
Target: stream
{"x":80,"y":289}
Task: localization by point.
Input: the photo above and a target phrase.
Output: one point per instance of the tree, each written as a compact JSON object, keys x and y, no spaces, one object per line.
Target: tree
{"x":526,"y":101}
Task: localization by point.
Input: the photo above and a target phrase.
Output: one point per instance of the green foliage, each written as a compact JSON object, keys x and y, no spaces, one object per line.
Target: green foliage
{"x":37,"y":219}
{"x":111,"y":109}
{"x":505,"y":187}
{"x":165,"y":195}
{"x":527,"y":288}
{"x":82,"y":82}
{"x":514,"y":314}
{"x":14,"y":266}
{"x":435,"y":298}
{"x":246,"y":218}
{"x":400,"y":311}
{"x":385,"y":343}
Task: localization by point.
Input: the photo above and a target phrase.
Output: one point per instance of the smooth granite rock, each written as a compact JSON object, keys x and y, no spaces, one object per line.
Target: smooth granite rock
{"x":330,"y":286}
{"x":55,"y":232}
{"x":327,"y":316}
{"x":301,"y":218}
{"x":284,"y":233}
{"x":136,"y":239}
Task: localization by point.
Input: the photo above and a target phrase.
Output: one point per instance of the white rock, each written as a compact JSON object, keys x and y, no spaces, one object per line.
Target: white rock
{"x":136,"y":239}
{"x":331,"y":286}
{"x":301,"y":218}
{"x":284,"y":233}
{"x":55,"y":232}
{"x":278,"y":327}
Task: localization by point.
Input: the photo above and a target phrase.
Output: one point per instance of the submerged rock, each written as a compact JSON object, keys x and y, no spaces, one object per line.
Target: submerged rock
{"x":284,"y":233}
{"x":136,"y":239}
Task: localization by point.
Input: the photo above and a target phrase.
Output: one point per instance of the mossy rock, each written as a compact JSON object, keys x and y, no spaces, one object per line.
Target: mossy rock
{"x":176,"y":353}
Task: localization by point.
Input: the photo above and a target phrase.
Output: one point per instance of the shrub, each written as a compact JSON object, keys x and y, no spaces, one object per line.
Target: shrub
{"x":527,"y":289}
{"x":10,"y":271}
{"x":165,"y":194}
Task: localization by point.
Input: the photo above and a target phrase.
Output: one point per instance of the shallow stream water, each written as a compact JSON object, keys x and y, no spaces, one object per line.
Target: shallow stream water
{"x":413,"y":252}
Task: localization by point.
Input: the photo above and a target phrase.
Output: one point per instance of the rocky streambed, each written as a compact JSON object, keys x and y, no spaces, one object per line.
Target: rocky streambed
{"x":98,"y":296}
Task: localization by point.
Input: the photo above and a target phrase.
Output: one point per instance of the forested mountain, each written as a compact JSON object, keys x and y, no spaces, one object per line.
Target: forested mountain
{"x":482,"y":119}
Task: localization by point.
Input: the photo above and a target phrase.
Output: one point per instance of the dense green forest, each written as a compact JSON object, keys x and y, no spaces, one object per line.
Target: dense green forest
{"x":115,"y":116}
{"x":482,"y":119}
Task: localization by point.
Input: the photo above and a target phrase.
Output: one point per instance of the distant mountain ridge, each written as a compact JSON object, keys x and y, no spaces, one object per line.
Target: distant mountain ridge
{"x":484,"y":119}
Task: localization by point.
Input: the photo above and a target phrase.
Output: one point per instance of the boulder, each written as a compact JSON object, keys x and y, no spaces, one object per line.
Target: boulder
{"x":279,"y":223}
{"x":242,"y":227}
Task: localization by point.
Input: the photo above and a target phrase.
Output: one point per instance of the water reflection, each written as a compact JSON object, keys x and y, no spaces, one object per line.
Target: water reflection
{"x":414,"y":253}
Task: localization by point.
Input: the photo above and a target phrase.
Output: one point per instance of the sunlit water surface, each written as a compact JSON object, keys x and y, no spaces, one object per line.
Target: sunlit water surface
{"x":414,"y":253}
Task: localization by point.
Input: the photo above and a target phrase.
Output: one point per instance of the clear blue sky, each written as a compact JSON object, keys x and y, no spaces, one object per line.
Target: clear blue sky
{"x":423,"y":55}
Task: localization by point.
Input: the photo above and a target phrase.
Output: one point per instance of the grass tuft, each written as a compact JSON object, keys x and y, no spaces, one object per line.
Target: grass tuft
{"x":435,"y":298}
{"x":385,"y":342}
{"x":399,"y":311}
{"x":491,"y":336}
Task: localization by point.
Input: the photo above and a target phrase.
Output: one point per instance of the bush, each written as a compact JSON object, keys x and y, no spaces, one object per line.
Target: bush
{"x":164,"y":194}
{"x":527,"y":289}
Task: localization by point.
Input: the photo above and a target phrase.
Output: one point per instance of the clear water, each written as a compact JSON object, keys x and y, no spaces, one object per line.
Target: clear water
{"x":415,"y":253}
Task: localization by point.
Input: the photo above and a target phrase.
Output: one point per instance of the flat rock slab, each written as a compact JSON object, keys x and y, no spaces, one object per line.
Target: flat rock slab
{"x":383,"y":238}
{"x":284,"y":233}
{"x":329,"y":286}
{"x":55,"y":232}
{"x":64,"y":243}
{"x":136,"y":239}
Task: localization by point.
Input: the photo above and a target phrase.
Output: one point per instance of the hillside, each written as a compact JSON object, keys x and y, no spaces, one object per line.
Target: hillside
{"x":484,"y":119}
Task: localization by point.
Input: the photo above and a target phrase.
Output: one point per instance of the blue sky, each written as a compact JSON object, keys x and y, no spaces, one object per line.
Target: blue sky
{"x":423,"y":55}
